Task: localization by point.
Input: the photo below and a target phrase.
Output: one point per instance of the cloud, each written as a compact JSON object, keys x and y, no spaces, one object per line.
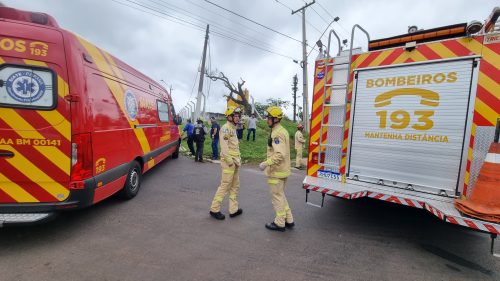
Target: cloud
{"x":171,"y":49}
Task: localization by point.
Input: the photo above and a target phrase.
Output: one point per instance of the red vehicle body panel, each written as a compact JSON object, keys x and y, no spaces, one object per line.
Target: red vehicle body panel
{"x":104,"y":108}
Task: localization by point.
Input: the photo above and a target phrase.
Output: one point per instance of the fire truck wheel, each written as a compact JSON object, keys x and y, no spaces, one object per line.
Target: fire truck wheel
{"x":175,"y":155}
{"x":133,"y":182}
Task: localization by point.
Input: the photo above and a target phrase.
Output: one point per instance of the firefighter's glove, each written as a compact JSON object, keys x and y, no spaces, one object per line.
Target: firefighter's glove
{"x":263,"y":165}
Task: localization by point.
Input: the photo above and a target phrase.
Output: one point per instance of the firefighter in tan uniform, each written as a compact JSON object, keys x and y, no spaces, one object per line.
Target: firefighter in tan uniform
{"x":277,"y":169}
{"x":299,"y":146}
{"x":230,"y":164}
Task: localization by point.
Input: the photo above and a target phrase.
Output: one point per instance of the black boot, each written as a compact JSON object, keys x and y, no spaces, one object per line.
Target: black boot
{"x":273,"y":226}
{"x":218,"y":215}
{"x":237,"y":213}
{"x":289,"y":225}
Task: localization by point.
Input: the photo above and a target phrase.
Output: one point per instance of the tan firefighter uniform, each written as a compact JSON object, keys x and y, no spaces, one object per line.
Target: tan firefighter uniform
{"x":230,"y":164}
{"x":299,"y":146}
{"x":277,"y":171}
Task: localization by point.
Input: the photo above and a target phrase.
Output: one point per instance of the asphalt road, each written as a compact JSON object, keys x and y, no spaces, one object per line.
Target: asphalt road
{"x":165,"y":233}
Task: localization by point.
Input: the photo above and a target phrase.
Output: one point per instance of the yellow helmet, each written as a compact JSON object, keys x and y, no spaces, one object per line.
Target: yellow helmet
{"x":274,"y":111}
{"x":232,"y":110}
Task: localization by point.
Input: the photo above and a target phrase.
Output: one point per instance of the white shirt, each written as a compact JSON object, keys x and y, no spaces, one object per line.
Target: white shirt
{"x":252,"y":123}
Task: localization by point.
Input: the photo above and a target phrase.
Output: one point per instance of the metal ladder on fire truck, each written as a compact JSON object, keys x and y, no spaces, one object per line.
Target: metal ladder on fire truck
{"x":330,"y":153}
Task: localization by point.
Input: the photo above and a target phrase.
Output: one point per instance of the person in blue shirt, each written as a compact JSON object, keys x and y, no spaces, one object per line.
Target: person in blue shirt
{"x":214,"y":134}
{"x":188,"y":128}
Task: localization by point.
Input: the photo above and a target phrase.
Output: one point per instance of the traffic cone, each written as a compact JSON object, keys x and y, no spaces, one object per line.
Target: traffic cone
{"x":484,"y":201}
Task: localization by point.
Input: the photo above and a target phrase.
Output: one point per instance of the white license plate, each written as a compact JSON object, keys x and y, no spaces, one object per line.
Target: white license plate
{"x":329,"y":175}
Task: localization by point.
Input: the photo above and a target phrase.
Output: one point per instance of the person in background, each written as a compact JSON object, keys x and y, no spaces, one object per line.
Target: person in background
{"x":214,"y":135}
{"x":299,"y":145}
{"x":240,"y":127}
{"x":199,"y":133}
{"x":252,"y":126}
{"x":188,"y":128}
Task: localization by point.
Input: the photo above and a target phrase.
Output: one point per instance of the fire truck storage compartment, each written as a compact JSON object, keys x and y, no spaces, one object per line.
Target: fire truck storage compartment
{"x":409,"y":125}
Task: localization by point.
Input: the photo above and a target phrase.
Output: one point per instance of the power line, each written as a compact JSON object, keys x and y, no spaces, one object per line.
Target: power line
{"x":322,"y":34}
{"x":252,"y":21}
{"x":252,"y":45}
{"x":314,"y":10}
{"x":224,"y":17}
{"x":217,"y":32}
{"x":197,"y":27}
{"x":291,"y":10}
{"x":326,"y":11}
{"x":195,"y":79}
{"x":340,"y":25}
{"x":183,"y":23}
{"x":195,"y":17}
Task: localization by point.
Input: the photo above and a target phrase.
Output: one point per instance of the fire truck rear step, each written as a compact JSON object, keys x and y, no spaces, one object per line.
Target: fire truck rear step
{"x":440,"y":206}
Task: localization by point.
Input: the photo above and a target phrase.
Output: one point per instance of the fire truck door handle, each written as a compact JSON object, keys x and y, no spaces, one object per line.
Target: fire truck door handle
{"x":6,"y":154}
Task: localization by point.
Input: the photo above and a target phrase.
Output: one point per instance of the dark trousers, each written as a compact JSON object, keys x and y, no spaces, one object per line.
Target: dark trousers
{"x":248,"y":134}
{"x":215,"y":149}
{"x":199,"y":150}
{"x":239,"y":133}
{"x":190,"y":141}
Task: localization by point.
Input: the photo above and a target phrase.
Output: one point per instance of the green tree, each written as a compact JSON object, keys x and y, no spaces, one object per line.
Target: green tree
{"x":261,"y":108}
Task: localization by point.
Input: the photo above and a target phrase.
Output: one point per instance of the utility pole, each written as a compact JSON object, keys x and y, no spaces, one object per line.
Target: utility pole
{"x":305,"y":110}
{"x":294,"y":89}
{"x":202,"y":77}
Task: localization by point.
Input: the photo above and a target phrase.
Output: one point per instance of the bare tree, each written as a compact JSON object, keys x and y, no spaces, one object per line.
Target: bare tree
{"x":236,"y":93}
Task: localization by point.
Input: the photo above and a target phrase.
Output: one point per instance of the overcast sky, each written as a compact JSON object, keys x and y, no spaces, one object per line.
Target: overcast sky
{"x":166,"y":47}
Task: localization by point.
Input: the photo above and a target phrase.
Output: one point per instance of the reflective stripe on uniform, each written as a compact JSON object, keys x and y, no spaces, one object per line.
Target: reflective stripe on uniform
{"x":218,"y":198}
{"x":269,"y":162}
{"x":281,"y":174}
{"x":273,"y":181}
{"x":228,"y":171}
{"x":281,"y":214}
{"x":234,"y":153}
{"x":233,"y":196}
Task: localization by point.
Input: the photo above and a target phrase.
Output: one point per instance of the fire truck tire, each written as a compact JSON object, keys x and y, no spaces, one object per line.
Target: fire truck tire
{"x":133,"y":182}
{"x":175,"y":155}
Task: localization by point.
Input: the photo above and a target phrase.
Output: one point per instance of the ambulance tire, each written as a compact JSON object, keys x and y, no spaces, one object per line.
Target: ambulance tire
{"x":133,"y":182}
{"x":175,"y":155}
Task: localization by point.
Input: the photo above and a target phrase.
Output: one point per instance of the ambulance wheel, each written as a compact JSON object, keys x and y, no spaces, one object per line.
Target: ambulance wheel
{"x":175,"y":155}
{"x":133,"y":182}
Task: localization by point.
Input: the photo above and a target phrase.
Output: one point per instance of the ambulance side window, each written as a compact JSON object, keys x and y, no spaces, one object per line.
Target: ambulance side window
{"x":27,"y":87}
{"x":163,"y":111}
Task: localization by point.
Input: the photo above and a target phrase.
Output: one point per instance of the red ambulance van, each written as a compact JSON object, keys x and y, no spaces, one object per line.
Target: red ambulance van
{"x":77,"y":125}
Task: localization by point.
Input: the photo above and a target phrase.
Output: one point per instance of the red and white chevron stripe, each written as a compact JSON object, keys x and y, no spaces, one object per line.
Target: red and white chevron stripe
{"x":359,"y":194}
{"x":471,"y":223}
{"x":478,"y":225}
{"x":397,"y":200}
{"x":434,"y":211}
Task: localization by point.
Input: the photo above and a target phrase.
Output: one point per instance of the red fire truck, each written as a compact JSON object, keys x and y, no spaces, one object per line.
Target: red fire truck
{"x":409,"y":121}
{"x":77,"y":125}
